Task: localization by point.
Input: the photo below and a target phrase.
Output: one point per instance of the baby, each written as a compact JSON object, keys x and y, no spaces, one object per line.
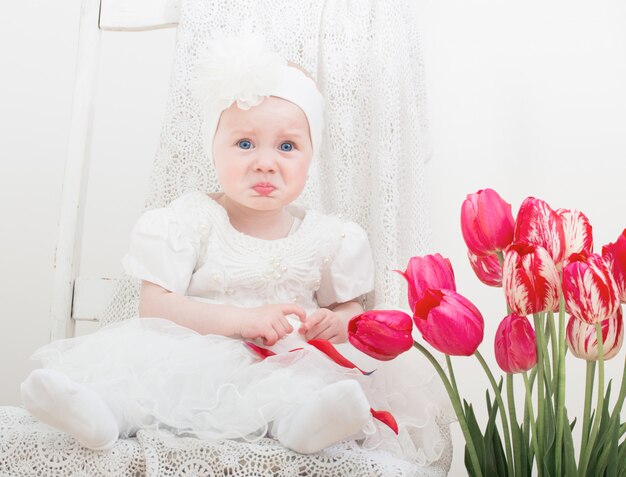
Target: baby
{"x":220,"y":271}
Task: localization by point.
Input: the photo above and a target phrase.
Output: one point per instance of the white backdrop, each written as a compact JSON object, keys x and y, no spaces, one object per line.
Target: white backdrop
{"x":526,"y":98}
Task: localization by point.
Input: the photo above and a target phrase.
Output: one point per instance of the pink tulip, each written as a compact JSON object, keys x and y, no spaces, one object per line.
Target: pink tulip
{"x":530,"y":279}
{"x":538,"y":224}
{"x":614,"y":255}
{"x":583,"y":341}
{"x":515,"y":347}
{"x":589,"y":288}
{"x":578,"y":231}
{"x":429,"y":271}
{"x":487,"y":269}
{"x":486,"y":222}
{"x":449,"y":322}
{"x":381,"y":334}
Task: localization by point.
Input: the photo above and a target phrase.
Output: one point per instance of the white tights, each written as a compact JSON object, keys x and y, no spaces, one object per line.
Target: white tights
{"x":335,"y":413}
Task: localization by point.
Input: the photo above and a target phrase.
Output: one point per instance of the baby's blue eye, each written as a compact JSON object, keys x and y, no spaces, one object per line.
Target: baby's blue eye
{"x":286,"y":146}
{"x":244,"y":144}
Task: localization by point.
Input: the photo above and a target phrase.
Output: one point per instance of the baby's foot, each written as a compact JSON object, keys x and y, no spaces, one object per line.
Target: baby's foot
{"x":337,"y":412}
{"x":71,"y":407}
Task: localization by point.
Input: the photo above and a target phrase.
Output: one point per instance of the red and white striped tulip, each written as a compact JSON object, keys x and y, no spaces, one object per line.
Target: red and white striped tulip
{"x":486,"y":222}
{"x":515,"y":347}
{"x":538,"y":224}
{"x":583,"y":341}
{"x":487,"y":269}
{"x":589,"y":288}
{"x":614,"y":255}
{"x":530,"y":279}
{"x":429,"y":271}
{"x":381,"y":334}
{"x":578,"y":231}
{"x":449,"y":322}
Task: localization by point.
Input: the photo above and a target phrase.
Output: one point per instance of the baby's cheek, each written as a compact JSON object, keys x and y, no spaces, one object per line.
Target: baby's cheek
{"x":230,"y":177}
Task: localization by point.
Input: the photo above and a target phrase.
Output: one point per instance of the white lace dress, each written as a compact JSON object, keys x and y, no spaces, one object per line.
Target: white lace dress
{"x":163,"y":376}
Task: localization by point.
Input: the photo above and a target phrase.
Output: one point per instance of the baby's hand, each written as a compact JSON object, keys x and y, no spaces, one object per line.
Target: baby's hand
{"x":268,"y":322}
{"x":325,"y":324}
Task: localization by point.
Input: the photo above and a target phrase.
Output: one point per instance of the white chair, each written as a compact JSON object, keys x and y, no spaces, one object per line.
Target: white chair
{"x":28,"y":447}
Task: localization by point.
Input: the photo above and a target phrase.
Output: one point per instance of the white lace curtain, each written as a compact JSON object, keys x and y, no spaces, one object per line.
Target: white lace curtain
{"x":366,"y":57}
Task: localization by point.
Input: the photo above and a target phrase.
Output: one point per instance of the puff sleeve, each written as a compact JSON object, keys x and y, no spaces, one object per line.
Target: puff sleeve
{"x":163,"y":250}
{"x":350,"y":273}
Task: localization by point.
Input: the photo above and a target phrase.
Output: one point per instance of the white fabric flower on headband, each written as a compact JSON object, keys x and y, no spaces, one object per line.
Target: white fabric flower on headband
{"x":241,"y":69}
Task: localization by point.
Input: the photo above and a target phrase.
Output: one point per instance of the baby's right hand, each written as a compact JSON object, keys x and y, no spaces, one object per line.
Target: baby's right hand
{"x":268,"y":322}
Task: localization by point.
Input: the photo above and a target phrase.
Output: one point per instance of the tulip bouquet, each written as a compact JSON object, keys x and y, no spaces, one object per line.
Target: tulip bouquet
{"x":545,"y":263}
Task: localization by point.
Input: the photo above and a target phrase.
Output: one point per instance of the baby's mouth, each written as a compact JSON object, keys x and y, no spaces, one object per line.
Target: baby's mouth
{"x":263,"y":188}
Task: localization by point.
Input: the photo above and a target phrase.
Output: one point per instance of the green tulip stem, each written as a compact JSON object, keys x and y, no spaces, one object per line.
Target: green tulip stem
{"x":547,"y":367}
{"x":500,"y":255}
{"x":582,"y":470}
{"x":451,"y":372}
{"x":503,"y":410}
{"x":591,"y":371}
{"x":458,"y":409}
{"x":533,"y":428}
{"x":514,"y":427}
{"x":540,"y":382}
{"x":555,"y":348}
{"x":559,"y":379}
{"x":622,"y":393}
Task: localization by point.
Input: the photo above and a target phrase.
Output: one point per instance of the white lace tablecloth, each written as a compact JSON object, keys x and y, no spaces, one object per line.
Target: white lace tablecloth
{"x":30,"y":448}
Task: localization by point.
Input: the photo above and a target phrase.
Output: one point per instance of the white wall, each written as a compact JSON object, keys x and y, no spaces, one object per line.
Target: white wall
{"x":526,"y":98}
{"x":37,"y":50}
{"x":38,"y":46}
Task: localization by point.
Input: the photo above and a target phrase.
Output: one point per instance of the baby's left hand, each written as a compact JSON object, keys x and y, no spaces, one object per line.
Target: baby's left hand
{"x":325,"y":324}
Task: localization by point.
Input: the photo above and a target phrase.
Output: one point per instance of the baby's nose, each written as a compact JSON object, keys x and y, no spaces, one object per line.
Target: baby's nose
{"x":266,"y":162}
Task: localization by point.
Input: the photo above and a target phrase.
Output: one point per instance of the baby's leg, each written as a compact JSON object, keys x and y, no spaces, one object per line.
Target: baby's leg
{"x":71,"y":407}
{"x":337,"y":412}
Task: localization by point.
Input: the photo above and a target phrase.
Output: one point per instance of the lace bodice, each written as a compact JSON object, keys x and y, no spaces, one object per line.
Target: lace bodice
{"x":191,"y":248}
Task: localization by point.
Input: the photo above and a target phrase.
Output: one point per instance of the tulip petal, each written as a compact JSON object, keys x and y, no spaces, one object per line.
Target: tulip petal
{"x":262,"y":352}
{"x":578,"y":232}
{"x":449,"y":322}
{"x":614,"y":255}
{"x":582,"y":339}
{"x":538,"y":224}
{"x":381,"y":334}
{"x":486,"y":222}
{"x":429,"y":271}
{"x":496,"y":219}
{"x":329,"y":350}
{"x":487,"y":269}
{"x":386,"y":418}
{"x":589,"y":288}
{"x":515,"y":345}
{"x":531,"y":280}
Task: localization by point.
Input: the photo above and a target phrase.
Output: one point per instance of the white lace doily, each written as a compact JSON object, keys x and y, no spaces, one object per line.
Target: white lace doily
{"x":366,"y":57}
{"x":29,"y":448}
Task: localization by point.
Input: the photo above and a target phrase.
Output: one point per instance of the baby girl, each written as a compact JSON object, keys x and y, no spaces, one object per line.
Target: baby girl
{"x":221,"y":272}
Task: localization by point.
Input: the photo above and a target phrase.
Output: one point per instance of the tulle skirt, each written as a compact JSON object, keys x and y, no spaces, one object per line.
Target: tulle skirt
{"x":156,"y":374}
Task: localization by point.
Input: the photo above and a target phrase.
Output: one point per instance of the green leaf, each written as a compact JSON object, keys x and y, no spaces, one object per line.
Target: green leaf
{"x":569,"y":455}
{"x":549,"y":460}
{"x":488,"y":458}
{"x":489,"y":447}
{"x":476,"y":436}
{"x":598,"y":461}
{"x":612,"y":458}
{"x":622,"y":458}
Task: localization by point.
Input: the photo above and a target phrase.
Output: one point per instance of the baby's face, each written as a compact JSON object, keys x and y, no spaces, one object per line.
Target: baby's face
{"x":262,"y":155}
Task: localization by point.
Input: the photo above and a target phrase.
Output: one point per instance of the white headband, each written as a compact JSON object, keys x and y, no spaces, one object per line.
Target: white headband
{"x":243,"y":70}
